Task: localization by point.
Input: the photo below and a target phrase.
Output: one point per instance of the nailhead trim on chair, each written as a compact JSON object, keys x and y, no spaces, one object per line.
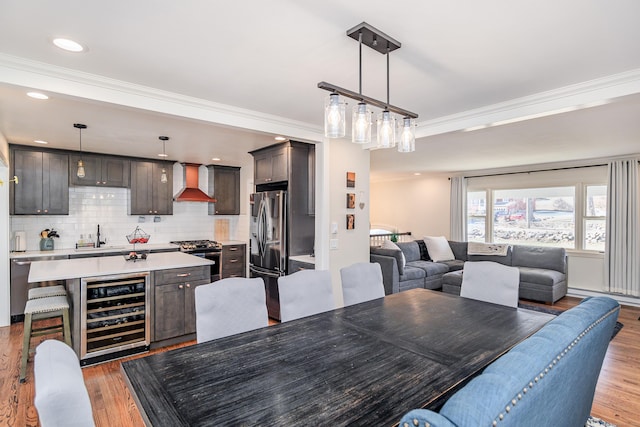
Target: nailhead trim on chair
{"x":47,"y":291}
{"x":559,"y":357}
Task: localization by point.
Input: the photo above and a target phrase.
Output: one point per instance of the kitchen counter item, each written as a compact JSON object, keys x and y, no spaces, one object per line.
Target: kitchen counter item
{"x":46,"y":244}
{"x":20,"y":241}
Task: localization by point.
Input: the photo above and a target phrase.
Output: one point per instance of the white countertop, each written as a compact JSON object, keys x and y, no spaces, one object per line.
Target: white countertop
{"x":108,"y":265}
{"x":304,"y":258}
{"x":88,"y":251}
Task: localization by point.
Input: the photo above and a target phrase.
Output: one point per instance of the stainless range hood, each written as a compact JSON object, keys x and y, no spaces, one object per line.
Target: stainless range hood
{"x":191,"y":192}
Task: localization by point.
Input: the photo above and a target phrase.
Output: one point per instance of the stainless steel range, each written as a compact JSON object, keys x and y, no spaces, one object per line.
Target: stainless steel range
{"x":209,"y":249}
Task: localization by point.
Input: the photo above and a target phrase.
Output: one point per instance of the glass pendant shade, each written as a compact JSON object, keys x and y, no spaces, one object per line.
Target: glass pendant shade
{"x":80,"y":172}
{"x":407,"y":141}
{"x":361,"y":124}
{"x":386,"y":137}
{"x":334,"y":117}
{"x":163,"y":176}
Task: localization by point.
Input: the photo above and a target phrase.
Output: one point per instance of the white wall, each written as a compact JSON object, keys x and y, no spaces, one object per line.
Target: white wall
{"x":4,"y":232}
{"x":420,"y":205}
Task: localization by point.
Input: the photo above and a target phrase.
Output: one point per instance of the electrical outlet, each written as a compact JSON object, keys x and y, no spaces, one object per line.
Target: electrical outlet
{"x":333,"y":244}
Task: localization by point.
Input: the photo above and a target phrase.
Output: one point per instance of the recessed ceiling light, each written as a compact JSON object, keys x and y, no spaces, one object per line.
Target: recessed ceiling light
{"x":39,"y":141}
{"x":280,"y":138}
{"x":68,"y":45}
{"x":216,"y":159}
{"x":163,"y":155}
{"x":417,"y":173}
{"x":37,"y":95}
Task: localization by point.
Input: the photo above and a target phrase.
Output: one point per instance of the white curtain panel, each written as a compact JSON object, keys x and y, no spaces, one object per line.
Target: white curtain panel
{"x":458,"y":208}
{"x":622,"y":250}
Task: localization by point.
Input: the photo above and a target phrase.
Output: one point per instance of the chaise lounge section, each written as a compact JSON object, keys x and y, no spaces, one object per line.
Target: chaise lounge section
{"x":543,"y":270}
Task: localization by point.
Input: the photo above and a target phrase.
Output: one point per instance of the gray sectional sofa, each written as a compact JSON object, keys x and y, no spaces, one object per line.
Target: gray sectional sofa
{"x":542,"y":269}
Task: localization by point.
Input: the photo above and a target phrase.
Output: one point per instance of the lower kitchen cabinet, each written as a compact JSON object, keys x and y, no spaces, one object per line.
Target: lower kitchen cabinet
{"x":174,"y":301}
{"x":233,"y":260}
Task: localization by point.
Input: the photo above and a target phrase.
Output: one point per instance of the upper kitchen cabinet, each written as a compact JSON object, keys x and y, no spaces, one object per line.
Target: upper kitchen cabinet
{"x":150,"y":196}
{"x":43,"y":182}
{"x":224,"y":186}
{"x":101,"y":171}
{"x":271,"y":164}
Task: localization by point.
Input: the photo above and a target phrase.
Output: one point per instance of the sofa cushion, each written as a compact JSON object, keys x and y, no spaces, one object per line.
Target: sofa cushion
{"x":439,"y":249}
{"x":459,"y":250}
{"x":454,"y":265}
{"x":395,"y":253}
{"x":539,"y":257}
{"x":412,"y":273}
{"x":430,"y":268}
{"x":411,"y":250}
{"x":424,"y":253}
{"x":541,"y":276}
{"x":388,"y":244}
{"x":505,"y":260}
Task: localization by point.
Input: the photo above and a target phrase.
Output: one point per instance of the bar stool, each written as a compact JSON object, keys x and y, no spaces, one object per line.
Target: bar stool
{"x":39,"y":309}
{"x":47,"y":291}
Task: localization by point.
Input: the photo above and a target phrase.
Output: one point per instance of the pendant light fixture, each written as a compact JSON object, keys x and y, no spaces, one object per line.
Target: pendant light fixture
{"x":80,"y":171}
{"x":163,"y":175}
{"x":407,"y":140}
{"x":361,"y":119}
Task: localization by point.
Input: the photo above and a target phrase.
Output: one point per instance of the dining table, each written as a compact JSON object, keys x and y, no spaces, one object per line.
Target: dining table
{"x":368,"y":363}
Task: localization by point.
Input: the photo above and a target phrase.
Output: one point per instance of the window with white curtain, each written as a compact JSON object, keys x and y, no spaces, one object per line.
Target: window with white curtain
{"x":561,"y":208}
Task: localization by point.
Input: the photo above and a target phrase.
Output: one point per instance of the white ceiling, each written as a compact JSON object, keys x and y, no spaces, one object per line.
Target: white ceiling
{"x":223,"y":78}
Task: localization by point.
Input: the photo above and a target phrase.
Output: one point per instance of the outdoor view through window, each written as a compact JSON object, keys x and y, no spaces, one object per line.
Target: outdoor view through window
{"x":539,"y":216}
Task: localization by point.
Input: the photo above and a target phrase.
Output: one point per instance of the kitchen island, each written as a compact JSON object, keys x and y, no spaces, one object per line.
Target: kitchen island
{"x":120,"y":306}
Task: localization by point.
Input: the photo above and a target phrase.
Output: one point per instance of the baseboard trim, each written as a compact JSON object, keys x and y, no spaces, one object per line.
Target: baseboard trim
{"x":622,"y":299}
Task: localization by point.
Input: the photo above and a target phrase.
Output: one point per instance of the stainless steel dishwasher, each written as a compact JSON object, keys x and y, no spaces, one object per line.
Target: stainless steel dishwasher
{"x":20,"y":283}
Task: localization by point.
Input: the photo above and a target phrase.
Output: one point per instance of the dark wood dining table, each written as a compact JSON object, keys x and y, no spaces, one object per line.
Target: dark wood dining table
{"x":365,"y":364}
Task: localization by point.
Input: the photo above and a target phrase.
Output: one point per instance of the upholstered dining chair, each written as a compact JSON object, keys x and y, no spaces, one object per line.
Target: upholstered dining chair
{"x":230,"y":306}
{"x":305,"y":293}
{"x":361,"y":282}
{"x":491,"y":282}
{"x":61,"y":396}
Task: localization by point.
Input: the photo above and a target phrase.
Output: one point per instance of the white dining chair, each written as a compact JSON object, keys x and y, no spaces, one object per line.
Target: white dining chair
{"x":61,"y":397}
{"x":230,"y":306}
{"x":490,"y":282}
{"x":305,"y":293}
{"x":361,"y":282}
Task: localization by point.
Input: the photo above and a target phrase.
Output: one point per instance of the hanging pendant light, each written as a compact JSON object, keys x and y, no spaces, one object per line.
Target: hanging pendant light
{"x":80,"y":171}
{"x":163,"y":175}
{"x":407,"y":140}
{"x":361,"y":124}
{"x":386,"y":130}
{"x":334,"y":117}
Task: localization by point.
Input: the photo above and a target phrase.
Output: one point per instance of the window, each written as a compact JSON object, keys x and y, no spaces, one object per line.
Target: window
{"x":595,"y":214}
{"x":535,"y":216}
{"x":476,"y":215}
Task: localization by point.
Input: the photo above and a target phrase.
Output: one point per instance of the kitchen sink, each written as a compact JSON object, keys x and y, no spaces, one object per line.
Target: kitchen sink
{"x":101,"y":248}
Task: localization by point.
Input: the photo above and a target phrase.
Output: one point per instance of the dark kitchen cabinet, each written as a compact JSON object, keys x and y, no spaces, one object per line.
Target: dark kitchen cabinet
{"x":233,"y":261}
{"x":100,"y":171}
{"x":43,"y":183}
{"x":149,"y":196}
{"x":224,"y":186}
{"x":174,"y":301}
{"x":271,"y":164}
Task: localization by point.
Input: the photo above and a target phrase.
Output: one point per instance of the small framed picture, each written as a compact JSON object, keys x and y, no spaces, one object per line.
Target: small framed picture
{"x":351,"y":200}
{"x":351,"y":221}
{"x":351,"y":179}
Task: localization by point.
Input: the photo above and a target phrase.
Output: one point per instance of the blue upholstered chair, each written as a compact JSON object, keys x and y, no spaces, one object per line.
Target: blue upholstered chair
{"x":61,"y":396}
{"x":361,"y":282}
{"x":230,"y":306}
{"x":305,"y":293}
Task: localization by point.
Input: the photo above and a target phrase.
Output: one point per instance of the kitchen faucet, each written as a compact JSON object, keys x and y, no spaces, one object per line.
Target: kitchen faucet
{"x":98,"y":242}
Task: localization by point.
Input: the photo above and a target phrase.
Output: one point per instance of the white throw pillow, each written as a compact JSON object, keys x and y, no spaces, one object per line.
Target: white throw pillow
{"x":439,"y":249}
{"x":388,"y":244}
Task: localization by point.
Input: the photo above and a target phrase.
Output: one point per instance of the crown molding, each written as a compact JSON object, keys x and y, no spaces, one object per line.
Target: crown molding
{"x":38,"y":75}
{"x":568,"y":98}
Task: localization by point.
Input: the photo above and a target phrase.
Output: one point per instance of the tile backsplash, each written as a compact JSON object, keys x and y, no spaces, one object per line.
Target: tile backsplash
{"x":90,"y":206}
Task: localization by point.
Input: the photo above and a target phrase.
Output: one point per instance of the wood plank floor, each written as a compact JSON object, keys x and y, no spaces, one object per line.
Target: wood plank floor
{"x":617,"y":397}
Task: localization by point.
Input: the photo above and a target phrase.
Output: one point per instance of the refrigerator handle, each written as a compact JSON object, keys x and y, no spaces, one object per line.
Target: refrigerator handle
{"x":261,"y":225}
{"x":284,"y":235}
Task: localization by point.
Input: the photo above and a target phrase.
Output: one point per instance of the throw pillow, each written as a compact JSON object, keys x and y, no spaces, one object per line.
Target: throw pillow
{"x":388,"y":244}
{"x":439,"y":249}
{"x":424,"y":253}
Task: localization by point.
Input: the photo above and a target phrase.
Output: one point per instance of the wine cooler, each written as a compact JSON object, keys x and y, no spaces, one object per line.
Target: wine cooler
{"x":114,"y":316}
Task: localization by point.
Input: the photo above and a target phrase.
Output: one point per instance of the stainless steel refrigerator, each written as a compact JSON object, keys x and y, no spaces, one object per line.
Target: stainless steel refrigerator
{"x":269,"y":243}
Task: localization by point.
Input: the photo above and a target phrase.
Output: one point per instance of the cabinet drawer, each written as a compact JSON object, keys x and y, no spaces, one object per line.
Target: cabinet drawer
{"x":233,"y":260}
{"x":176,"y":275}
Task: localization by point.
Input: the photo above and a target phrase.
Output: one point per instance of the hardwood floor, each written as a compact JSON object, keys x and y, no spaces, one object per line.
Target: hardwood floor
{"x":617,"y":397}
